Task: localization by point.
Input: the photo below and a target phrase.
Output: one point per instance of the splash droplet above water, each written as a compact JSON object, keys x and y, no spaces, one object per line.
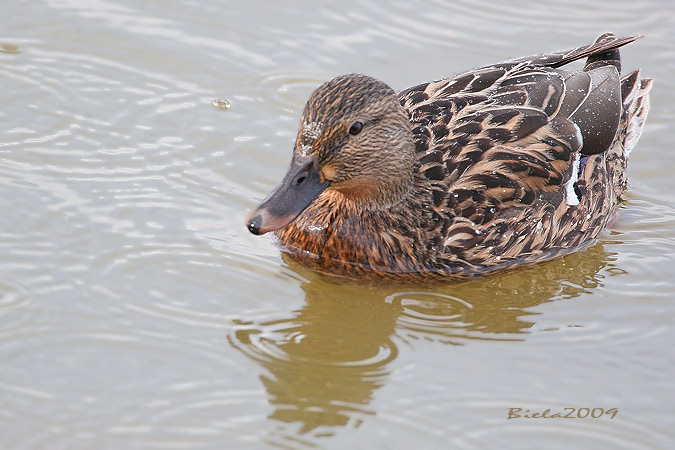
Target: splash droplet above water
{"x":222,"y":105}
{"x":9,"y":48}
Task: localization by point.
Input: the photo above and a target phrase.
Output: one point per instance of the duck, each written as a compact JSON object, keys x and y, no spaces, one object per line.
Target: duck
{"x":506,"y":165}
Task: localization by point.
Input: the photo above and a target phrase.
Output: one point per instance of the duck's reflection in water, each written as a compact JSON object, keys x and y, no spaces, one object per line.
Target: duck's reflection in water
{"x":324,"y":362}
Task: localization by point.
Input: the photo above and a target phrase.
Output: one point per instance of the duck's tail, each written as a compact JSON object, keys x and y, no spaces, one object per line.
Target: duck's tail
{"x":634,"y":89}
{"x":635,"y":96}
{"x":635,"y":99}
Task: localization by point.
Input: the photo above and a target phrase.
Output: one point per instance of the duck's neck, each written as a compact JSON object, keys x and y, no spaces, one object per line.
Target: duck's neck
{"x":377,"y":196}
{"x":390,"y":183}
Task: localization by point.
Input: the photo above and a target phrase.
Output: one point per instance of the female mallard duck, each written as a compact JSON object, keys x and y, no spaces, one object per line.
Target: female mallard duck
{"x":513,"y":163}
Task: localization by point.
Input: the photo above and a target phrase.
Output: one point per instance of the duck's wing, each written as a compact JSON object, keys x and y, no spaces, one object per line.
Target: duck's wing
{"x":596,"y":51}
{"x":504,"y":135}
{"x":604,"y":51}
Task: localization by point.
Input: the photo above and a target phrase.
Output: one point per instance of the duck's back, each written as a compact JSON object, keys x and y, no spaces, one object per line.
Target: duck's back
{"x":526,"y":160}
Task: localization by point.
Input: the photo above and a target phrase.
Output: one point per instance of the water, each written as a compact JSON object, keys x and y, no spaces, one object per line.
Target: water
{"x":136,"y":311}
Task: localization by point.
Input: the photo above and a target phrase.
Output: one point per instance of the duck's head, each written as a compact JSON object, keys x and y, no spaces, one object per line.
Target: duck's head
{"x":355,"y":138}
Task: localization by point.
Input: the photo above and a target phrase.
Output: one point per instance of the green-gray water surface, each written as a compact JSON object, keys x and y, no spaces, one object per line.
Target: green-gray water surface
{"x":137,"y":312}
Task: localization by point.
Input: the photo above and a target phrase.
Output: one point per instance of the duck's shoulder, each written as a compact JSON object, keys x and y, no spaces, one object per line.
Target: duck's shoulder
{"x":516,"y":97}
{"x":509,"y":105}
{"x":486,"y":137}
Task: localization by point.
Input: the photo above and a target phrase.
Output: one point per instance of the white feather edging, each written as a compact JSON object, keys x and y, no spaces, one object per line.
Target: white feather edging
{"x":571,"y":196}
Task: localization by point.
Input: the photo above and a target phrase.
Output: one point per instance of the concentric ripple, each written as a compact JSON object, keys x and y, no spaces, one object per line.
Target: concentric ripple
{"x":321,"y":366}
{"x":292,"y":342}
{"x":431,"y":312}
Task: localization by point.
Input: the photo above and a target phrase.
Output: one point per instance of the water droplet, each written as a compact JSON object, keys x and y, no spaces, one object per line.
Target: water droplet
{"x":9,"y":48}
{"x":222,"y":105}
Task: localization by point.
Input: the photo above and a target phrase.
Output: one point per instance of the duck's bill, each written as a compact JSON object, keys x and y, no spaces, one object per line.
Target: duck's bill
{"x":300,"y":186}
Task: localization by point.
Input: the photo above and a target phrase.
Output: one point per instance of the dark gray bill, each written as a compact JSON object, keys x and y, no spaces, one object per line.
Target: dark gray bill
{"x":300,"y":186}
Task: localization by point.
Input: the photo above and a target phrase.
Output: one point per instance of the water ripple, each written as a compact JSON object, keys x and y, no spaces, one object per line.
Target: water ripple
{"x":320,"y":369}
{"x":432,"y":312}
{"x":285,"y":90}
{"x":138,"y":312}
{"x":12,"y":295}
{"x":283,"y":341}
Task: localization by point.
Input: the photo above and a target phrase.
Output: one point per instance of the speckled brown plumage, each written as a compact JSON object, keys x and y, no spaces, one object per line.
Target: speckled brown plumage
{"x":509,"y":164}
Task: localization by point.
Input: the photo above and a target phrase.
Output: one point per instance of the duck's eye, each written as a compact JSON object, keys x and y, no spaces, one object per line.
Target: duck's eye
{"x":355,"y":128}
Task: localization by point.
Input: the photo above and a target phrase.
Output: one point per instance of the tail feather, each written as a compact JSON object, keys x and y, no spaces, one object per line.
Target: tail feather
{"x":602,"y":48}
{"x":635,"y":94}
